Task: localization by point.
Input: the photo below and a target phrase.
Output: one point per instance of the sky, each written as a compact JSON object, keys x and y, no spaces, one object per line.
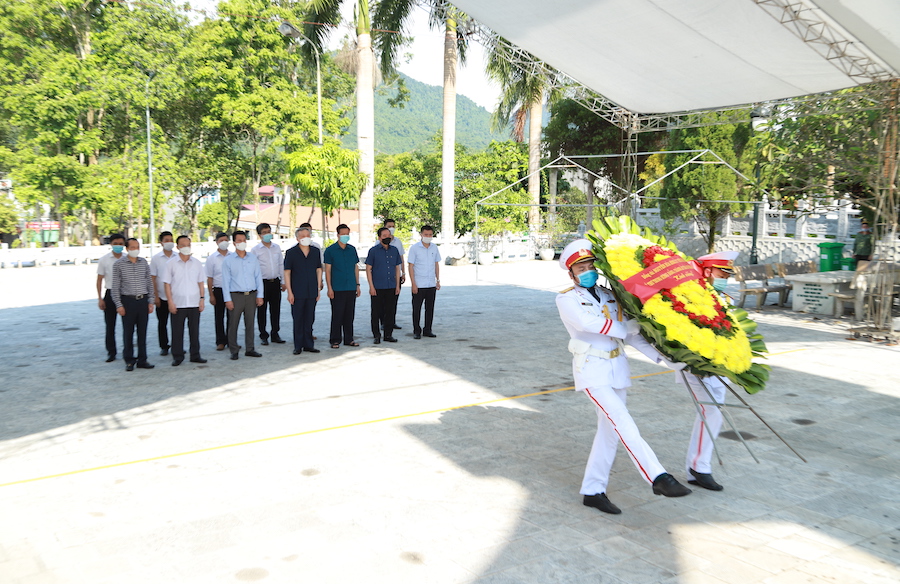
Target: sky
{"x":426,"y":62}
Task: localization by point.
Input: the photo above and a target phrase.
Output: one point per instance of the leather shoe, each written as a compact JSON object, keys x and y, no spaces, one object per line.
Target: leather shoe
{"x":601,"y":501}
{"x":265,"y":341}
{"x":220,"y":347}
{"x":417,"y":335}
{"x":665,"y":484}
{"x":145,"y":365}
{"x":430,"y":334}
{"x":278,"y":340}
{"x":390,"y":339}
{"x":177,"y":362}
{"x":705,"y":480}
{"x":252,"y":354}
{"x":297,"y":351}
{"x":312,"y":350}
{"x":110,"y":358}
{"x":163,"y":352}
{"x":198,"y":360}
{"x":234,"y":356}
{"x":129,"y":367}
{"x":396,"y":326}
{"x":377,"y":341}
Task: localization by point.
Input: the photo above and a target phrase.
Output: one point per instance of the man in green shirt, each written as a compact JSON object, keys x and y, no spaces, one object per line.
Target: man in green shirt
{"x":342,"y":278}
{"x":862,"y":245}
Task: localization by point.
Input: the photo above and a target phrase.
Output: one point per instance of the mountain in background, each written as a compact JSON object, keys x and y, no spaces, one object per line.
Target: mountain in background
{"x":414,"y":125}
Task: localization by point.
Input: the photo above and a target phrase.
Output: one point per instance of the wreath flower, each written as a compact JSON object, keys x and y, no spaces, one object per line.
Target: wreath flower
{"x":687,"y":322}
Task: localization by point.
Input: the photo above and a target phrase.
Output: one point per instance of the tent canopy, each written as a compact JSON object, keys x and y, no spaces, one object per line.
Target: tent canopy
{"x":654,"y":56}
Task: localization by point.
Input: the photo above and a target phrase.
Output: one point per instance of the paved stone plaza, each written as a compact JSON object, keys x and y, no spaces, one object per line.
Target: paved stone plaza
{"x":444,"y":460}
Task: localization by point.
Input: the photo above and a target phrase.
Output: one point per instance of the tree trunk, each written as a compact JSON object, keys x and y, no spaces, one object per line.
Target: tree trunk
{"x":554,"y":175}
{"x":365,"y":131}
{"x":536,"y":111}
{"x":589,"y":191}
{"x":448,"y":168}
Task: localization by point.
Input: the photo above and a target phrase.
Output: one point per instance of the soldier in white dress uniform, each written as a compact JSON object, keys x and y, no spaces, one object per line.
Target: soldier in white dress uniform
{"x":599,"y":329}
{"x":716,"y":268}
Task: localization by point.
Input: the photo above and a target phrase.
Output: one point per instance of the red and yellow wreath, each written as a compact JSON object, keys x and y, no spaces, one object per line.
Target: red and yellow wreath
{"x":679,"y":312}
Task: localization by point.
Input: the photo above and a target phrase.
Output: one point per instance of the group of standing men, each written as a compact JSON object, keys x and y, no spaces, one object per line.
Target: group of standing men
{"x":248,"y":282}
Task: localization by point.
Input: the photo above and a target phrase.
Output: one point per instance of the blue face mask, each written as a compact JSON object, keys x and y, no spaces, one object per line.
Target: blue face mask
{"x":267,"y":237}
{"x":587,"y":279}
{"x":719,"y":284}
{"x":118,"y":248}
{"x":344,"y":238}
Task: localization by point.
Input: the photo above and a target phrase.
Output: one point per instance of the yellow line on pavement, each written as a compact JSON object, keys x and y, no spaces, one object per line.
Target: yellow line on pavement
{"x":316,"y":431}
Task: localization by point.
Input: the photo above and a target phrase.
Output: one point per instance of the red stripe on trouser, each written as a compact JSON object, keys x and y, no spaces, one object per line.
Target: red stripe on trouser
{"x":700,"y":439}
{"x":622,"y":440}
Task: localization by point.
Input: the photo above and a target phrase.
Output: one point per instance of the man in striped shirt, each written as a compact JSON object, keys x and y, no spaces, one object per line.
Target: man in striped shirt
{"x":133,"y":295}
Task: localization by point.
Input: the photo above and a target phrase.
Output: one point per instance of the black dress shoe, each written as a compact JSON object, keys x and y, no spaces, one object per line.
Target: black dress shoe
{"x":177,"y":362}
{"x":665,"y":484}
{"x":297,"y":351}
{"x":312,"y":350}
{"x":110,"y":358}
{"x":234,"y":356}
{"x":705,"y":480}
{"x":145,"y":365}
{"x":396,"y":326}
{"x":601,"y":501}
{"x":390,"y":339}
{"x":417,"y":335}
{"x":163,"y":352}
{"x":377,"y":341}
{"x":198,"y":360}
{"x":430,"y":334}
{"x":278,"y":340}
{"x":129,"y":367}
{"x":265,"y":341}
{"x":252,"y":354}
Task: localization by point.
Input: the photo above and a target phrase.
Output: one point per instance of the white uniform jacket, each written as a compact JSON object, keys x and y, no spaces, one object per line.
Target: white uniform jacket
{"x":603,"y":325}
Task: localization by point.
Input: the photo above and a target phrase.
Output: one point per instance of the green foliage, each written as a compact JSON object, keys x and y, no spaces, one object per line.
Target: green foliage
{"x":214,"y":217}
{"x":329,"y":173}
{"x":9,"y":217}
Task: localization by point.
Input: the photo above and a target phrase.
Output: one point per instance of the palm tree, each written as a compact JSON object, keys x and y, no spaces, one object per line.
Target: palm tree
{"x":523,"y":87}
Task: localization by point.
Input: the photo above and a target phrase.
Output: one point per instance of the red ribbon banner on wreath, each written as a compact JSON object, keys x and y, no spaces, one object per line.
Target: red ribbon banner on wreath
{"x":664,"y":274}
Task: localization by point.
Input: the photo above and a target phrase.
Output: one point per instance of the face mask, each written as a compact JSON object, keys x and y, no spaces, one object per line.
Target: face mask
{"x":719,"y":284}
{"x":185,"y":250}
{"x":267,"y":237}
{"x":587,"y":279}
{"x":240,"y":246}
{"x":169,"y":245}
{"x":305,"y":240}
{"x":223,"y":245}
{"x":427,"y":239}
{"x":391,"y":229}
{"x":344,"y":238}
{"x":386,"y":241}
{"x":118,"y":248}
{"x":133,"y":253}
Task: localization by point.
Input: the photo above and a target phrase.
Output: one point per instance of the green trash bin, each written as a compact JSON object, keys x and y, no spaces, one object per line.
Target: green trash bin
{"x":848,"y":264}
{"x":830,"y":255}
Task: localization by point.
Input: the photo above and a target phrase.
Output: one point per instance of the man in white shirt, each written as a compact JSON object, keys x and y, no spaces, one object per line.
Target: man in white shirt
{"x":424,"y":276}
{"x":184,"y":279}
{"x":271,"y":262}
{"x":214,"y":285}
{"x":157,"y":270}
{"x":105,"y":301}
{"x":395,"y":241}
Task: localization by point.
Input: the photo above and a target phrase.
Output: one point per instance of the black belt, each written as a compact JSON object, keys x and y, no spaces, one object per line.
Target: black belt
{"x":137,"y":297}
{"x":244,"y":293}
{"x":217,"y":287}
{"x":271,"y":279}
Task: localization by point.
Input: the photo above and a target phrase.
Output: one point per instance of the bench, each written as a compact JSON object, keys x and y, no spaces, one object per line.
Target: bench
{"x":761,"y":273}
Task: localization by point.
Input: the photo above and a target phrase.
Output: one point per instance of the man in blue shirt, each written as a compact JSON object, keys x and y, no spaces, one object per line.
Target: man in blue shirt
{"x":342,"y":277}
{"x":383,"y":274}
{"x":303,"y":277}
{"x":242,"y":290}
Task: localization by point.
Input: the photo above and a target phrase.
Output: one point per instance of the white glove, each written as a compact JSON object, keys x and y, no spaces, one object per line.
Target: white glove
{"x":673,"y":365}
{"x":633,"y":327}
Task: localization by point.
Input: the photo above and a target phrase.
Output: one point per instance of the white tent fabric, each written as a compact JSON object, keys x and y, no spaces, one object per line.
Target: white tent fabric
{"x":656,"y":56}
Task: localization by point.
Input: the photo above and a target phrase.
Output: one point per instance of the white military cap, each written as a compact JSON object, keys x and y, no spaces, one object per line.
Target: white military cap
{"x":724,"y":260}
{"x":580,"y":250}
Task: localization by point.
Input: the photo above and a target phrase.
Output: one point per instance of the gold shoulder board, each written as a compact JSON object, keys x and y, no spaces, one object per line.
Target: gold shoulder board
{"x":569,"y":289}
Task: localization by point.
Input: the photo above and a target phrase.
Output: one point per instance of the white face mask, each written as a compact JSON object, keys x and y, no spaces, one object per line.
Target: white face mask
{"x":427,"y":239}
{"x":133,"y":253}
{"x":223,"y":245}
{"x":305,"y":240}
{"x":169,"y":245}
{"x":240,"y":246}
{"x":185,"y":250}
{"x":391,"y":229}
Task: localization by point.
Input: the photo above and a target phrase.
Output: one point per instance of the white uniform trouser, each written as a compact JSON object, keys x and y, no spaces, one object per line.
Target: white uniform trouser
{"x":615,"y":424}
{"x":700,"y":450}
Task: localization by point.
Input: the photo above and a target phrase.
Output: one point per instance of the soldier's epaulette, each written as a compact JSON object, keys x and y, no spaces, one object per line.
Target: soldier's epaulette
{"x":569,"y":289}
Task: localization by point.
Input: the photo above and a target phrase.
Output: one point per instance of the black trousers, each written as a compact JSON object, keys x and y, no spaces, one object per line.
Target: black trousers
{"x":343,"y":311}
{"x":222,"y":317}
{"x":272,"y":301}
{"x":109,"y":316}
{"x":384,"y":310}
{"x":303,"y":310}
{"x":192,"y":316}
{"x":162,"y":323}
{"x":426,"y":295}
{"x":394,"y":318}
{"x":136,"y":316}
